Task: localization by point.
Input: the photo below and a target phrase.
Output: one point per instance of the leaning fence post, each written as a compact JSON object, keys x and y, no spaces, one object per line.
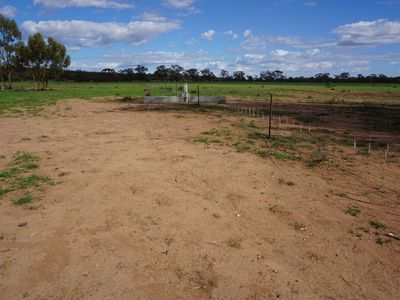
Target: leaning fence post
{"x":270,"y":117}
{"x":198,"y":95}
{"x":384,"y":163}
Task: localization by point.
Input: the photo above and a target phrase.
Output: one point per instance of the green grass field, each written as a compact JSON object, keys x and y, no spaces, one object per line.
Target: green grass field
{"x":25,"y":96}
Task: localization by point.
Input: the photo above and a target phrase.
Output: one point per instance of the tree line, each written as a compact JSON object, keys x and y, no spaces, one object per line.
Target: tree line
{"x":43,"y":59}
{"x":177,"y":73}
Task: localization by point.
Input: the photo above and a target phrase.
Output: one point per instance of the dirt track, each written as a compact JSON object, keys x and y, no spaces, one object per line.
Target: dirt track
{"x":145,"y":213}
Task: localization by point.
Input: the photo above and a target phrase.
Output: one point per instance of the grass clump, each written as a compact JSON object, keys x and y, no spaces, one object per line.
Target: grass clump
{"x":25,"y":157}
{"x":279,"y":155}
{"x":32,"y":181}
{"x":208,"y":141}
{"x":241,"y":148}
{"x":377,"y":224}
{"x":4,"y":191}
{"x":256,"y":135}
{"x":30,"y":166}
{"x":346,"y":142}
{"x":10,"y":173}
{"x":23,"y":200}
{"x":317,"y":157}
{"x":216,"y":132}
{"x":353,"y":211}
{"x":21,"y":179}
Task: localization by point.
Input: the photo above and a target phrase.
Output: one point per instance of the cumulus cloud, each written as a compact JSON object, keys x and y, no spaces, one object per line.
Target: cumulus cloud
{"x":369,"y":33}
{"x":231,"y":34}
{"x":190,"y":42}
{"x":180,"y":4}
{"x":192,"y":59}
{"x":209,"y":35}
{"x":253,"y":43}
{"x":284,"y":60}
{"x":77,"y":33}
{"x":247,"y":33}
{"x":51,"y":4}
{"x":8,"y":11}
{"x":310,"y":3}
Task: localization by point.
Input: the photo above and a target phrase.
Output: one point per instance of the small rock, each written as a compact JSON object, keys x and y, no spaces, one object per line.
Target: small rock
{"x":23,"y":224}
{"x":216,"y":215}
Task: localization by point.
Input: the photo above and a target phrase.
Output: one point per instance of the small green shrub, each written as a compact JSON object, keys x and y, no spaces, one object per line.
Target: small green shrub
{"x":24,"y":200}
{"x":4,"y":192}
{"x":353,"y":211}
{"x":377,"y":224}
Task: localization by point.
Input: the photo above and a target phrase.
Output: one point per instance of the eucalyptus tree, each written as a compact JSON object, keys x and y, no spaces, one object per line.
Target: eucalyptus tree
{"x":10,"y":39}
{"x":141,"y":72}
{"x":46,"y":59}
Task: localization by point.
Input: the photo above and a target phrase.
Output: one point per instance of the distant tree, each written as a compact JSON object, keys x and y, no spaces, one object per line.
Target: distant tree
{"x":128,"y":73}
{"x":176,"y":72}
{"x":108,"y":71}
{"x":360,"y":78}
{"x":239,"y":76}
{"x":345,"y":76}
{"x":224,"y":75}
{"x":45,"y":59}
{"x":250,"y":78}
{"x":162,"y":73}
{"x":278,"y":75}
{"x":207,"y":75}
{"x":322,"y":77}
{"x":192,"y":75}
{"x":266,"y":76}
{"x":141,"y":71}
{"x":10,"y":40}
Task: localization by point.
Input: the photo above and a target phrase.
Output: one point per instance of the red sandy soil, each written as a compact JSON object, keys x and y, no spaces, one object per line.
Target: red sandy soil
{"x":146,"y":213}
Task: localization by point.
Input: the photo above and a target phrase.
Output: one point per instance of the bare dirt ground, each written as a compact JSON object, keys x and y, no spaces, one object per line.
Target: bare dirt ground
{"x":140,"y":211}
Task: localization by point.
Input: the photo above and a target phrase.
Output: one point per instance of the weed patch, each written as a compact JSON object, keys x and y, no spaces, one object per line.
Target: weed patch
{"x":279,"y":155}
{"x":377,"y":224}
{"x":23,"y":200}
{"x":32,"y":181}
{"x":21,"y":178}
{"x":353,"y":211}
{"x":4,"y":192}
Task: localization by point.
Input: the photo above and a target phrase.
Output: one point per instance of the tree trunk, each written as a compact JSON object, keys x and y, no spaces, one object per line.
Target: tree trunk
{"x":2,"y":80}
{"x":10,"y":80}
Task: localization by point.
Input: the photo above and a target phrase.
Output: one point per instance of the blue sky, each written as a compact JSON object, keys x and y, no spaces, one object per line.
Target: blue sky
{"x":299,"y":37}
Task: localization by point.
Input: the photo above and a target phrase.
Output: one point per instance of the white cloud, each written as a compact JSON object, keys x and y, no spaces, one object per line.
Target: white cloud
{"x":310,"y":3}
{"x":180,"y":4}
{"x":369,"y":33}
{"x":77,"y":33}
{"x":209,"y":35}
{"x":318,"y":66}
{"x":285,"y":40}
{"x":253,"y":43}
{"x":190,"y":42}
{"x":49,"y":4}
{"x":149,"y":16}
{"x":8,"y":11}
{"x":231,"y":34}
{"x":196,"y":59}
{"x":247,"y":33}
{"x":288,"y":61}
